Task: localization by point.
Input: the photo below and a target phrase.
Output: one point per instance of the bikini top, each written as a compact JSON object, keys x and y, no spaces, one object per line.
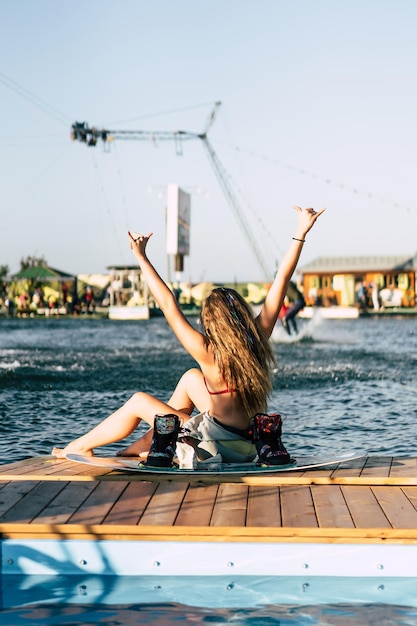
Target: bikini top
{"x":217,"y":393}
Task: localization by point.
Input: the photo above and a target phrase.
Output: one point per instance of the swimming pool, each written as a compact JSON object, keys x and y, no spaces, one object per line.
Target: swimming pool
{"x":237,"y":600}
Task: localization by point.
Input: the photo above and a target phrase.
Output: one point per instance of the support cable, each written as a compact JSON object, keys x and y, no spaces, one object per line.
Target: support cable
{"x":80,"y":131}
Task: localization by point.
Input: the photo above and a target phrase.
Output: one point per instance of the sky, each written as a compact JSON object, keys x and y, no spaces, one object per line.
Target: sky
{"x":318,"y":109}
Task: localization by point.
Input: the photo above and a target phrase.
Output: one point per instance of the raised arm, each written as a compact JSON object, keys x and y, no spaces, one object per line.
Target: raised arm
{"x":192,"y":340}
{"x":275,"y":297}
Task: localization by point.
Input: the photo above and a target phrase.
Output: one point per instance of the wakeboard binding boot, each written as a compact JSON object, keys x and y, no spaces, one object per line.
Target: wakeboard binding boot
{"x":164,"y":441}
{"x":267,"y":430}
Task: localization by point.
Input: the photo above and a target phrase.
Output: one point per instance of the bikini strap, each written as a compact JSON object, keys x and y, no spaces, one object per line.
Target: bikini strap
{"x":218,"y":393}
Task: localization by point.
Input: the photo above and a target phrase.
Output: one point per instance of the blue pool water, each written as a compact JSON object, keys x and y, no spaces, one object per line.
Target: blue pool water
{"x":343,"y":385}
{"x":245,"y":601}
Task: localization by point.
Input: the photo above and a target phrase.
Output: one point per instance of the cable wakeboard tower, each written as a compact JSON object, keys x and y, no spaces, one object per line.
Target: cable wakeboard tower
{"x":80,"y":131}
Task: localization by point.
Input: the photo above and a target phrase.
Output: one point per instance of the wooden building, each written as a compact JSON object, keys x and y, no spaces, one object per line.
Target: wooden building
{"x":385,"y":281}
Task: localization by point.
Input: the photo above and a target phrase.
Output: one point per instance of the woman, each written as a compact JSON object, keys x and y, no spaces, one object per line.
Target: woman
{"x":231,"y":386}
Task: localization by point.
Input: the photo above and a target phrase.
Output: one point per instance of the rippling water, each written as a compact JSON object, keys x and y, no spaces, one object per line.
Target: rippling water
{"x":343,"y":384}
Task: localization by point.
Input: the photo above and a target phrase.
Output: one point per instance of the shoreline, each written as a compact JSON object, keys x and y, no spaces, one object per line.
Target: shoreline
{"x":334,"y":312}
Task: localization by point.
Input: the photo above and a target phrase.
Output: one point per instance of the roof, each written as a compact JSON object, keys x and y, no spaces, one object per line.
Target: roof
{"x":125,"y":268}
{"x":345,"y":264}
{"x":42,"y":273}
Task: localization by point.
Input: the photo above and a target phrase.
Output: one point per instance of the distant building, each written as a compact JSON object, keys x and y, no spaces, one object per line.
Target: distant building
{"x":128,"y":293}
{"x":364,"y":281}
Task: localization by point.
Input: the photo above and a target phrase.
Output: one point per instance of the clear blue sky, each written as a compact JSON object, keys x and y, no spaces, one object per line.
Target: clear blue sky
{"x":319,"y":107}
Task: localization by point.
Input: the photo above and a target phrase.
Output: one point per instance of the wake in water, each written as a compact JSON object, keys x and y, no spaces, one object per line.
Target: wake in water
{"x":305,"y":330}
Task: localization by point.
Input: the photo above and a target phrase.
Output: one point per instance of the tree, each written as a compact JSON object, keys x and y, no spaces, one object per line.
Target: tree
{"x":32,"y":261}
{"x":4,"y":271}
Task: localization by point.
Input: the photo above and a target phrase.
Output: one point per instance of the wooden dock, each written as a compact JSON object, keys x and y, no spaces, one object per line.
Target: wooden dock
{"x":289,"y":521}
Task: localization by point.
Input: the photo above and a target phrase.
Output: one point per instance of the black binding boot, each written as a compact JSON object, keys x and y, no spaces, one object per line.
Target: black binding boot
{"x":267,"y":431}
{"x":166,"y":429}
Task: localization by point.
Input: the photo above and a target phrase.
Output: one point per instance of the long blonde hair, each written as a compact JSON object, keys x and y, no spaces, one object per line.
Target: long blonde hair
{"x":241,"y":349}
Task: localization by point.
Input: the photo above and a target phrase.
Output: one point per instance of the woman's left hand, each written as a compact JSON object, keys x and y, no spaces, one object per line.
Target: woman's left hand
{"x":306,"y":220}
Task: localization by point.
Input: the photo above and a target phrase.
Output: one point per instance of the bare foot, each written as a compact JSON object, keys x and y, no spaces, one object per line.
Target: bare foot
{"x":61,"y":453}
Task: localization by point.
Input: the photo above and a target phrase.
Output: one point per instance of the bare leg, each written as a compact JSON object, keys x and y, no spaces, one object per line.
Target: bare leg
{"x":140,"y":447}
{"x":119,"y":424}
{"x":189,"y":393}
{"x":141,"y":406}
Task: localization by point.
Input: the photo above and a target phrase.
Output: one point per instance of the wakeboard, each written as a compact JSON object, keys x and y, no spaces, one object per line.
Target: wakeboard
{"x":133,"y":464}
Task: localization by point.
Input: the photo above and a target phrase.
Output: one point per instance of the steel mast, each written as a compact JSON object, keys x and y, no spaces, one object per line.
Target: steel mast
{"x":80,"y":131}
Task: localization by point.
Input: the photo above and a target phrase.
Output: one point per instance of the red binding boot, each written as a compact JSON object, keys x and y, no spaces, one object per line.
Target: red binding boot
{"x":267,"y":431}
{"x":165,"y":434}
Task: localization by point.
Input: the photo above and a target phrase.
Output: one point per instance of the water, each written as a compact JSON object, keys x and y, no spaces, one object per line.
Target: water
{"x":242,"y":601}
{"x":340,"y":381}
{"x":203,"y":601}
{"x":342,"y":384}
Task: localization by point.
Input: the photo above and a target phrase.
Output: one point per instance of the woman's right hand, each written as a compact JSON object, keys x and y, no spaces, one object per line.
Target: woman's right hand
{"x":138,"y":243}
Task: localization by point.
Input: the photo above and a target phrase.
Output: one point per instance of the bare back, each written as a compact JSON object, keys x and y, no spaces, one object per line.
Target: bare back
{"x":224,"y":404}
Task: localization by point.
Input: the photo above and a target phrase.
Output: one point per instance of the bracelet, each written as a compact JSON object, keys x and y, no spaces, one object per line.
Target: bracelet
{"x":302,"y":240}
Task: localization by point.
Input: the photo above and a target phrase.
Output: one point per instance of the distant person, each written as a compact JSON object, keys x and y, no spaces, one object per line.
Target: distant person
{"x":312,"y":296}
{"x":10,"y":306}
{"x":177,"y":293}
{"x":375,"y":297}
{"x":53,"y":305}
{"x":288,"y":319}
{"x":284,"y":308}
{"x":231,"y":386}
{"x":89,"y":300}
{"x":64,"y":289}
{"x":363,"y":296}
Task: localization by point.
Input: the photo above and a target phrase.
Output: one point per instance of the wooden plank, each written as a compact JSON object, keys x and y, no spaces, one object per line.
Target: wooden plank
{"x":313,"y":474}
{"x":411,"y":493}
{"x":330,"y":506}
{"x":364,"y":507}
{"x":403,"y":472}
{"x":38,"y":465}
{"x":132,"y":503}
{"x":17,"y":465}
{"x":91,"y":472}
{"x":48,"y":467}
{"x":404,"y":467}
{"x":95,"y":508}
{"x":64,"y":505}
{"x":62,"y":467}
{"x":297,"y":507}
{"x":319,"y":479}
{"x":396,"y":506}
{"x":13,"y":493}
{"x":197,"y":506}
{"x":212,"y":533}
{"x":264,"y":507}
{"x":377,"y":466}
{"x":349,"y":468}
{"x":32,"y":503}
{"x":26,"y":467}
{"x":165,"y":504}
{"x":230,"y":505}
